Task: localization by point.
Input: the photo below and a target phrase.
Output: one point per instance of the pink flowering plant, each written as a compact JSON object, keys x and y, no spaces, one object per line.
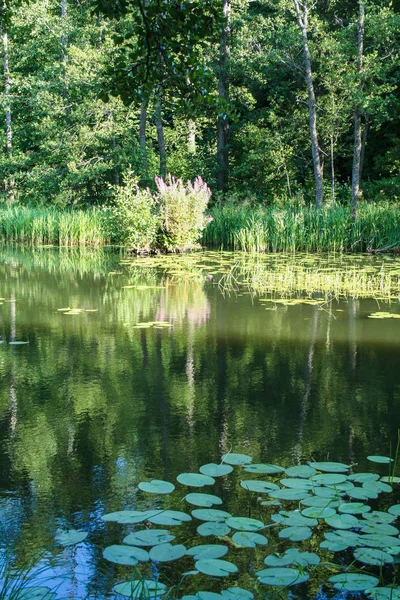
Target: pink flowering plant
{"x":182,"y":212}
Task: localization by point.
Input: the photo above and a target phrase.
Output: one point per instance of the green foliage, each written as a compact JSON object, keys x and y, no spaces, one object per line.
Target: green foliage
{"x":132,"y":219}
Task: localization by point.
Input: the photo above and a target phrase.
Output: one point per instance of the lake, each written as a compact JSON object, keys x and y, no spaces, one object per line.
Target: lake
{"x":117,"y":370}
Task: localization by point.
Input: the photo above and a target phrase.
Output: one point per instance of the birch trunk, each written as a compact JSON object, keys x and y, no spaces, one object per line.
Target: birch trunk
{"x":356,"y":171}
{"x":8,"y":184}
{"x":142,"y":139}
{"x":223,"y":92}
{"x":160,"y":137}
{"x":191,"y":137}
{"x":302,"y":20}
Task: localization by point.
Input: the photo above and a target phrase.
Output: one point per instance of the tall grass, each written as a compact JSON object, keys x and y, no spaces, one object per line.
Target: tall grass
{"x":43,"y":226}
{"x":269,"y":229}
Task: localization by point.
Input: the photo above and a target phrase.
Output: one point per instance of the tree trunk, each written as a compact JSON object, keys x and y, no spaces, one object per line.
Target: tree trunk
{"x":302,"y":20}
{"x":223,"y":92}
{"x":191,"y":146}
{"x":332,"y":170}
{"x":142,"y":139}
{"x":8,"y":184}
{"x":356,"y":172}
{"x":364,"y":143}
{"x":160,"y":137}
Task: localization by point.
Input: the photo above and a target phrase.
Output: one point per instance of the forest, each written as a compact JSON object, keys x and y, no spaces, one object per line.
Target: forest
{"x":272,"y":102}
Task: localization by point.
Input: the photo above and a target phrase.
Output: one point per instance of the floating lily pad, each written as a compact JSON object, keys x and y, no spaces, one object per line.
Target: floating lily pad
{"x":344,"y":536}
{"x":379,"y":516}
{"x":264,"y":469}
{"x":244,"y":524}
{"x":203,"y":499}
{"x":332,"y":546}
{"x":213,"y":528}
{"x":295,"y":534}
{"x":169,"y":517}
{"x":327,"y":492}
{"x":362,"y":477}
{"x":125,"y":555}
{"x":261,"y":487}
{"x":214,"y":470}
{"x":156,"y":486}
{"x":320,"y":502}
{"x":248,"y":539}
{"x":328,"y":479}
{"x":210,"y":514}
{"x":376,"y":540}
{"x":354,"y":508}
{"x":281,"y":576}
{"x":70,"y":537}
{"x":293,"y":518}
{"x":390,"y":479}
{"x":343,"y":521}
{"x":204,"y":551}
{"x":379,"y":528}
{"x":384,"y":593}
{"x":236,"y":593}
{"x":167,"y":552}
{"x":330,"y":467}
{"x":195,"y":479}
{"x":203,"y":595}
{"x":129,"y":516}
{"x":292,"y":556}
{"x":353,"y":582}
{"x":384,"y":460}
{"x":140,"y":588}
{"x":297,"y":483}
{"x":370,"y":556}
{"x":231,"y":458}
{"x":377,"y":486}
{"x":289,"y":494}
{"x":318,"y":512}
{"x":394,"y":510}
{"x":215,"y":567}
{"x":301,"y":471}
{"x":149,"y":537}
{"x":359,"y":493}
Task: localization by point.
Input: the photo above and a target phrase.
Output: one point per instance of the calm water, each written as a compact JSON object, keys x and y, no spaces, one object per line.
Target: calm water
{"x":93,"y":404}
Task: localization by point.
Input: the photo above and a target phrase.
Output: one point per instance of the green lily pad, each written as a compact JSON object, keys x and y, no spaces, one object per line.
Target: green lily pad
{"x":289,"y":494}
{"x":70,"y":537}
{"x":384,"y":593}
{"x":248,"y":539}
{"x":327,"y":492}
{"x":281,"y":576}
{"x":244,"y":524}
{"x":167,"y":552}
{"x":169,"y":517}
{"x":390,"y":479}
{"x":195,"y":479}
{"x":358,"y":493}
{"x":353,"y":582}
{"x":125,"y":555}
{"x":140,"y":588}
{"x":215,"y":567}
{"x":318,"y":512}
{"x":295,"y":534}
{"x":377,"y":486}
{"x":148,"y":537}
{"x":297,"y":483}
{"x":292,"y":556}
{"x":376,"y":540}
{"x":384,"y":460}
{"x":203,"y":596}
{"x":206,"y":500}
{"x":210,"y":514}
{"x":354,"y":508}
{"x":156,"y":486}
{"x":231,"y":458}
{"x":293,"y":518}
{"x":379,"y":528}
{"x":394,"y":510}
{"x":320,"y":502}
{"x":344,"y":536}
{"x":261,"y":487}
{"x":330,"y":467}
{"x":236,"y":593}
{"x":362,"y":477}
{"x":213,"y":528}
{"x":214,"y":470}
{"x":204,"y":551}
{"x":342,"y":521}
{"x":328,"y":479}
{"x":264,"y":469}
{"x":379,"y":516}
{"x":373,"y":556}
{"x":129,"y":516}
{"x":332,"y":546}
{"x":301,"y":471}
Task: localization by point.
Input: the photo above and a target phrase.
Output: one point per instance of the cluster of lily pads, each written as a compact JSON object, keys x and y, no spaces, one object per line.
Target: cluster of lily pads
{"x":297,"y":503}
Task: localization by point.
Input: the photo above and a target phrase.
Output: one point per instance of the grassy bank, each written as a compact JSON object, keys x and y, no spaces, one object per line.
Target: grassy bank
{"x":41,"y":226}
{"x":269,"y":229}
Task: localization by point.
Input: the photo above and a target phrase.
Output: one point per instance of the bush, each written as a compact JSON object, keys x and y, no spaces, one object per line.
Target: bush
{"x":182,"y":209}
{"x":133,"y":218}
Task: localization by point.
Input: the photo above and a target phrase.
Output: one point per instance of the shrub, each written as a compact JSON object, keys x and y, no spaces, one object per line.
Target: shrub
{"x":133,"y":218}
{"x":182,"y":209}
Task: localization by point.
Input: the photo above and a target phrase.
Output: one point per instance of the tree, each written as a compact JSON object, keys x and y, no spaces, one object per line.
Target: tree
{"x":356,"y":172}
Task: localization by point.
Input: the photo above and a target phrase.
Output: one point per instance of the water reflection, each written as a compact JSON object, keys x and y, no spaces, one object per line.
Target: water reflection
{"x":93,"y":404}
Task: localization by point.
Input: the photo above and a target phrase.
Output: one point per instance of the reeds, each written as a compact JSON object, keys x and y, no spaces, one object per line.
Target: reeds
{"x":51,"y":226}
{"x":305,"y":229}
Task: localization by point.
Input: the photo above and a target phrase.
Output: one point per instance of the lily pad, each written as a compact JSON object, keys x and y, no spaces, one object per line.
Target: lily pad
{"x":232,"y":458}
{"x":204,"y":551}
{"x":377,"y":486}
{"x":210,"y":514}
{"x":70,"y":537}
{"x":236,"y":593}
{"x":140,"y":588}
{"x":125,"y":555}
{"x":289,"y":494}
{"x":354,"y":508}
{"x":293,"y":518}
{"x":342,"y":521}
{"x":281,"y":576}
{"x":248,"y":539}
{"x":206,"y":500}
{"x":149,"y":537}
{"x":353,"y":582}
{"x":264,"y":469}
{"x":384,"y":460}
{"x":214,"y":470}
{"x":379,"y":528}
{"x":359,"y":493}
{"x":320,"y":502}
{"x":290,"y":557}
{"x":328,"y":479}
{"x":330,"y":467}
{"x":169,"y":517}
{"x":213,"y":528}
{"x":379,"y":516}
{"x":244,"y":524}
{"x":318,"y":512}
{"x":370,"y":556}
{"x":295,"y":534}
{"x":156,"y":486}
{"x":203,"y":595}
{"x":361,"y":477}
{"x":195,"y":479}
{"x":376,"y":540}
{"x":333,"y":546}
{"x":301,"y":471}
{"x":129,"y":516}
{"x":390,"y":479}
{"x":167,"y":552}
{"x":215,"y":567}
{"x":394,"y":510}
{"x":261,"y":487}
{"x":384,"y":593}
